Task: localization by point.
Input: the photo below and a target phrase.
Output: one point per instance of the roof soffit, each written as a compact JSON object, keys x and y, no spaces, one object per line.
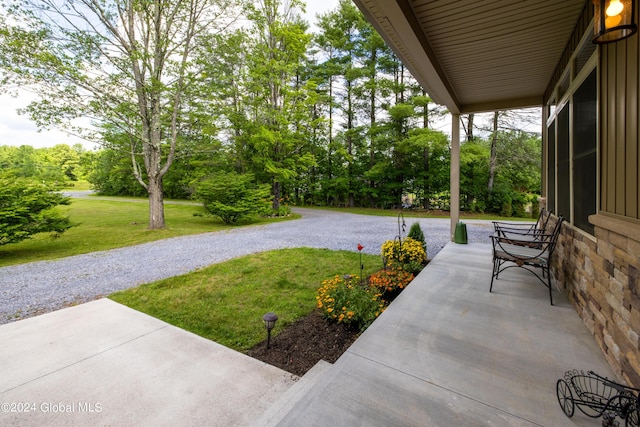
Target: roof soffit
{"x":477,"y":56}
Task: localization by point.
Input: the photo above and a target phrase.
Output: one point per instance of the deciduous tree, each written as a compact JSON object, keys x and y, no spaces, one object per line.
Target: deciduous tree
{"x":128,"y":63}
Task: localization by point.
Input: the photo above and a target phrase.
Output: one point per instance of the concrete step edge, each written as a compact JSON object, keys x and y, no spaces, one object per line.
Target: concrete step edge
{"x":283,"y":404}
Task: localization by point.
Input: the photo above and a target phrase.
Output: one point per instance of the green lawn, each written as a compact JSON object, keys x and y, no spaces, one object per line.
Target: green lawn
{"x":111,"y":222}
{"x":108,"y":224}
{"x":225,"y":302}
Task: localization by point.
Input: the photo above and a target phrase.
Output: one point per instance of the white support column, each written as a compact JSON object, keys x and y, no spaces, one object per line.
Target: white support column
{"x":455,"y":172}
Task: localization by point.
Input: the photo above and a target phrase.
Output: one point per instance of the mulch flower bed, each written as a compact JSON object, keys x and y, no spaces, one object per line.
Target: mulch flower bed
{"x":301,"y":345}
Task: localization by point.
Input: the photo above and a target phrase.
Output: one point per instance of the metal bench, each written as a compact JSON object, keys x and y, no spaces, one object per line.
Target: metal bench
{"x":525,"y":249}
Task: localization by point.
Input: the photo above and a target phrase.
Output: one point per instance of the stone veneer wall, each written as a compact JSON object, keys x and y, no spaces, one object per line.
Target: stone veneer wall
{"x":601,"y":277}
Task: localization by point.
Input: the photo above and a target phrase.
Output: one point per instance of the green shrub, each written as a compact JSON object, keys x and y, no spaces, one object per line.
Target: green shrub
{"x":535,"y":206}
{"x":500,"y":200}
{"x":506,"y":209}
{"x":283,"y":210}
{"x":519,"y":204}
{"x":231,"y":196}
{"x":343,"y":300}
{"x":478,"y":206}
{"x":441,"y":200}
{"x":28,"y":207}
{"x":415,"y":233}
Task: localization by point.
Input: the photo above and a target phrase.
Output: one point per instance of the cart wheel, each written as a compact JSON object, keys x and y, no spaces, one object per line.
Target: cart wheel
{"x":633,"y":417}
{"x":565,"y":398}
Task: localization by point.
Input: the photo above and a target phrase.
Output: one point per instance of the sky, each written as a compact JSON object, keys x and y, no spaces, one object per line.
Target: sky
{"x":18,"y":130}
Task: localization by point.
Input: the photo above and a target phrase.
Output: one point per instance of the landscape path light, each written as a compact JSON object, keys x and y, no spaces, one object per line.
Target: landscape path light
{"x":269,"y":323}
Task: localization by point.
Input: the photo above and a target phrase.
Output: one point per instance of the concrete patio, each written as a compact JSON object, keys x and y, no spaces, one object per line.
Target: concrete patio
{"x":102,"y":363}
{"x":447,"y":352}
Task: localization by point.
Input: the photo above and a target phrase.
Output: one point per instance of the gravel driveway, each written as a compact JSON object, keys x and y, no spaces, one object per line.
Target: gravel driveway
{"x":35,"y":288}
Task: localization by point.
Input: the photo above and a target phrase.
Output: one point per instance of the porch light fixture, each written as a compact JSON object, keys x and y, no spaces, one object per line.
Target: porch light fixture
{"x":269,"y":323}
{"x":613,"y":20}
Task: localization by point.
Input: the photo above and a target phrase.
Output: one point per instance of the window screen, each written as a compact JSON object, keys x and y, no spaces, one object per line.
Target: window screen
{"x":563,"y":171}
{"x":584,"y":152}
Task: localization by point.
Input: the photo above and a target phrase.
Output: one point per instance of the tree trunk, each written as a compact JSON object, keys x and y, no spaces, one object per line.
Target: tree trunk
{"x":425,"y":113}
{"x":492,"y":158}
{"x":425,"y":165}
{"x":156,"y":203}
{"x":402,"y":83}
{"x":276,"y":189}
{"x":469,"y":129}
{"x":330,"y":112}
{"x":350,"y":143}
{"x":372,"y":124}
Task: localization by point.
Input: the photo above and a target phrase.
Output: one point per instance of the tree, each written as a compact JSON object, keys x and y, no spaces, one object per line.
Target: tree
{"x":57,"y":165}
{"x":231,"y":196}
{"x":493,"y":153}
{"x":341,"y":37}
{"x":125,"y":63}
{"x":519,"y":157}
{"x":27,"y":208}
{"x":427,"y":162}
{"x":278,"y":97}
{"x":474,"y":174}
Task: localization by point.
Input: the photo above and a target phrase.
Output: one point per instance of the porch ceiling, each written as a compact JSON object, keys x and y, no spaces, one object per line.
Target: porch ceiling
{"x":474,"y":56}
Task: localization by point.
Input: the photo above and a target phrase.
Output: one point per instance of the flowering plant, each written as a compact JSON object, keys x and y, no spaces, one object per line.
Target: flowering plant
{"x":343,"y":300}
{"x":410,"y":251}
{"x":390,"y":280}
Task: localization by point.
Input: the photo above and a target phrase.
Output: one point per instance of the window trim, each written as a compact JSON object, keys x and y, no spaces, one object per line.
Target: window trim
{"x":553,"y":107}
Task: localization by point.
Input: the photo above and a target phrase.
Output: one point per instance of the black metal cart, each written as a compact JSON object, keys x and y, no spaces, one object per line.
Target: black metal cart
{"x":596,"y":396}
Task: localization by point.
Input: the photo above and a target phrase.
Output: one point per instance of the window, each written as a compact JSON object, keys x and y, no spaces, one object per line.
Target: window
{"x":563,"y":167}
{"x":551,"y":167}
{"x":572,"y":148}
{"x":584,"y":152}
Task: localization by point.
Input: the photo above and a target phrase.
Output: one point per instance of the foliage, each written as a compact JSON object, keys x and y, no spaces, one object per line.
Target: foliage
{"x":111,"y":175}
{"x":283,"y":210}
{"x":127,"y":67}
{"x":474,"y":173}
{"x":342,"y":299}
{"x":330,"y":119}
{"x":415,"y":233}
{"x":232,"y":197}
{"x":28,"y":208}
{"x":279,"y":101}
{"x":410,"y":251}
{"x":390,"y":280}
{"x":59,"y":165}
